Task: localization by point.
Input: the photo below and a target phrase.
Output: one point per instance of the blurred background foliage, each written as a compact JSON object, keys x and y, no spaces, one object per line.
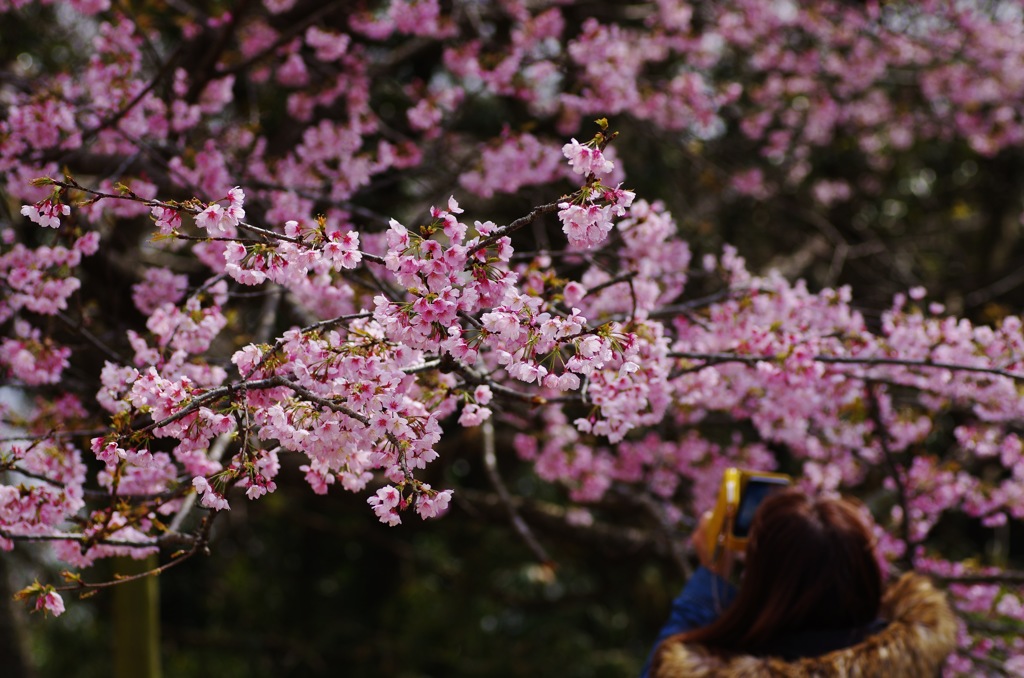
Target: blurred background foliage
{"x":305,"y":585}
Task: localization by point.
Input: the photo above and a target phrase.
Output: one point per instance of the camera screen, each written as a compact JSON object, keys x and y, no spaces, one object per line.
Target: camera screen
{"x":754,"y":493}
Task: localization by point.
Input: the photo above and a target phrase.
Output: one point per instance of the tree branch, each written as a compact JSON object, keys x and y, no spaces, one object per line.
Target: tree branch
{"x":720,"y":358}
{"x":519,"y":223}
{"x":491,"y":464}
{"x":907,"y":559}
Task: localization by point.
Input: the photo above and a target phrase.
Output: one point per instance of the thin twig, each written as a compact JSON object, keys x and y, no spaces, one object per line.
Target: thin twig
{"x":625,"y":277}
{"x":90,"y":337}
{"x":673,"y":544}
{"x":80,"y":538}
{"x":1004,"y":577}
{"x":676,"y":309}
{"x":283,"y":38}
{"x":90,"y":433}
{"x":993,"y":627}
{"x":548,"y":517}
{"x":519,"y":223}
{"x":473,"y":377}
{"x":268,"y":315}
{"x":520,"y":525}
{"x":907,"y":560}
{"x":989,"y":662}
{"x":199,"y":544}
{"x":720,"y":358}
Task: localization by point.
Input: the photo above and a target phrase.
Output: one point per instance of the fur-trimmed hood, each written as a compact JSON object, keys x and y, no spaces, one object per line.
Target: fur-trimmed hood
{"x":920,"y":634}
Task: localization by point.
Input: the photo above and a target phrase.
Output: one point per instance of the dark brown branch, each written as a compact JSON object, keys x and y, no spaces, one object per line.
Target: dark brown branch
{"x":999,"y":287}
{"x":473,"y":377}
{"x":199,"y":542}
{"x":625,"y":277}
{"x":990,"y":662}
{"x":318,"y":325}
{"x":520,"y":525}
{"x":209,"y":397}
{"x":519,"y":223}
{"x":284,"y":38}
{"x":554,"y":518}
{"x":35,"y":476}
{"x":346,"y":205}
{"x":90,"y":337}
{"x":672,"y":543}
{"x":676,"y":309}
{"x":207,"y":70}
{"x":80,"y":538}
{"x":721,"y":358}
{"x":1004,"y":577}
{"x":323,"y":402}
{"x":907,"y":560}
{"x":993,"y":627}
{"x":89,"y":433}
{"x":166,"y":69}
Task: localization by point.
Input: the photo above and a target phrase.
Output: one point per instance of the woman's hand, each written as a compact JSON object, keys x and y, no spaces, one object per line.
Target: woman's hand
{"x":726,"y":558}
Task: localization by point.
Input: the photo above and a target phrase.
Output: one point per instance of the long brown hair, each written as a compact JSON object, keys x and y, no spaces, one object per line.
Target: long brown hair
{"x":810,"y":565}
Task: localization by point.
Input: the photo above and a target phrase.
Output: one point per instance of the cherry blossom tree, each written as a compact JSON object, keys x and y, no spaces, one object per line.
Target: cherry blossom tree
{"x":236,"y":232}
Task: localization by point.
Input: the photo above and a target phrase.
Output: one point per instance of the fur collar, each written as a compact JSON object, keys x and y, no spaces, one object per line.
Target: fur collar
{"x":920,"y":634}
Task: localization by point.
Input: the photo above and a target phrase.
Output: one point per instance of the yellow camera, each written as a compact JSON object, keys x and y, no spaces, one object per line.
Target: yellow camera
{"x":738,"y":498}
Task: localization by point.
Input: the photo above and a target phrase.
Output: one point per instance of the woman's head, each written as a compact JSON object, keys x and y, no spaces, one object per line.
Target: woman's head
{"x":810,"y":564}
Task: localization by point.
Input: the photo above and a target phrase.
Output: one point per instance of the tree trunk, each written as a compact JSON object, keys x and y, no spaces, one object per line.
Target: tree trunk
{"x":12,"y":635}
{"x":137,"y":621}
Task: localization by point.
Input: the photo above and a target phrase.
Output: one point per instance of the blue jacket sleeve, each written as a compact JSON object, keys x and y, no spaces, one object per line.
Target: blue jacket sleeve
{"x":702,"y":600}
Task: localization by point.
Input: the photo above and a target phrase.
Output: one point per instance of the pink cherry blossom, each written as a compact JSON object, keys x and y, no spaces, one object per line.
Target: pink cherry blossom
{"x":50,"y":602}
{"x":428,"y":245}
{"x":46,"y":213}
{"x":586,"y":160}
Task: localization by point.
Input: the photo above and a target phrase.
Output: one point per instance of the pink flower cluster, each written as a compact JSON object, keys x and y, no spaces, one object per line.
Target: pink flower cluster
{"x":388,"y":500}
{"x":219,"y":220}
{"x":30,"y":358}
{"x":510,"y":163}
{"x":46,"y":599}
{"x":46,"y":213}
{"x":406,"y":17}
{"x":192,"y":328}
{"x":587,"y":221}
{"x":160,"y":286}
{"x":33,"y":278}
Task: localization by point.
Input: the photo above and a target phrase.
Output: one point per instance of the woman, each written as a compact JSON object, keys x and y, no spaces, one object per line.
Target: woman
{"x":810,"y":604}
